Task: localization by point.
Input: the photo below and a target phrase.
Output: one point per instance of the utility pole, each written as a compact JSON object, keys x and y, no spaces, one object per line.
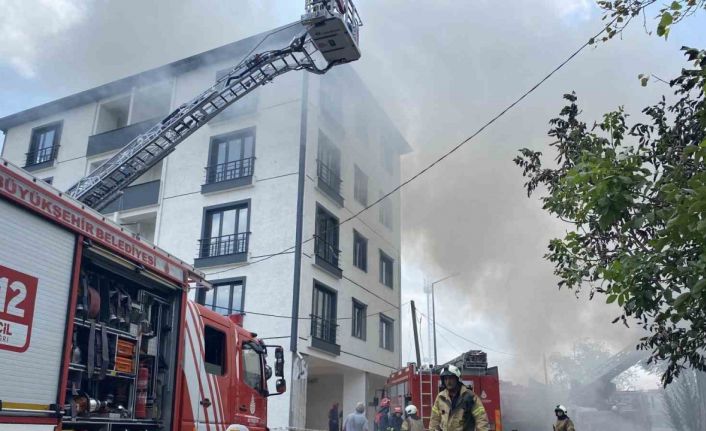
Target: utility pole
{"x":416,"y":334}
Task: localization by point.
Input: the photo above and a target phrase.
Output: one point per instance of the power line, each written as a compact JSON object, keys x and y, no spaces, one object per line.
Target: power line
{"x":282,"y":316}
{"x":490,"y":349}
{"x":453,"y":149}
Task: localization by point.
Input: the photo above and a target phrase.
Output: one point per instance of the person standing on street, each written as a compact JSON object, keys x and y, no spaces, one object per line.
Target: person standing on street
{"x":563,"y":423}
{"x":333,"y":418}
{"x":457,"y":408}
{"x":396,"y":419}
{"x":356,"y":421}
{"x":382,"y":418}
{"x":412,"y":422}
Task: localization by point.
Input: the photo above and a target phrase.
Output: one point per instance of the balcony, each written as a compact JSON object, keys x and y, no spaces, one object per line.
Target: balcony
{"x":223,"y":250}
{"x":327,"y":256}
{"x":323,"y":334}
{"x":117,"y":138}
{"x":329,"y":182}
{"x":137,"y":196}
{"x":229,"y":175}
{"x":40,"y":159}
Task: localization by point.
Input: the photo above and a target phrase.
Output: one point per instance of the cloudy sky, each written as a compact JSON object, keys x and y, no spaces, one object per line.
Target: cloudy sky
{"x":440,"y":68}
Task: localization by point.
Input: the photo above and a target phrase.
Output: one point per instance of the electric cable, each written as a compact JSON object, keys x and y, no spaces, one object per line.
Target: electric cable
{"x":490,"y":349}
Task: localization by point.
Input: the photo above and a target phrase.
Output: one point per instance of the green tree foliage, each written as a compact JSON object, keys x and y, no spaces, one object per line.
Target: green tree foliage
{"x":635,"y":200}
{"x":619,"y":13}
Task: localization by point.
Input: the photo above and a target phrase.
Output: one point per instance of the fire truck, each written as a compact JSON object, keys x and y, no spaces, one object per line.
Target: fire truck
{"x":419,"y":385}
{"x":96,"y":328}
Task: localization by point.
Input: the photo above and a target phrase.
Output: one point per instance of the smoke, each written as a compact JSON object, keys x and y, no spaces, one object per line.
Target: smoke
{"x":440,"y":68}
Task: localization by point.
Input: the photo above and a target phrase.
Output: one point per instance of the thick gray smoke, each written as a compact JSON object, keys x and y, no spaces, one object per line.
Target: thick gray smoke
{"x":440,"y":68}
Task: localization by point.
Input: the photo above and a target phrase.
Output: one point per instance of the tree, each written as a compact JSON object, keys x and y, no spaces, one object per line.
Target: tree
{"x":619,"y":13}
{"x":634,"y":198}
{"x":686,"y":402}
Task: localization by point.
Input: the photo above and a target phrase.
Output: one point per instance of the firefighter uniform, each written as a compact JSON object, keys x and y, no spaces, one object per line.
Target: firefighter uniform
{"x":459,"y":414}
{"x":411,"y":424}
{"x":564,"y":425}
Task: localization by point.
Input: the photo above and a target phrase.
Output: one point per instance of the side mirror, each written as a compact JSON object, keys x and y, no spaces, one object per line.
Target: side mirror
{"x":268,"y":372}
{"x":281,"y":386}
{"x":279,"y":363}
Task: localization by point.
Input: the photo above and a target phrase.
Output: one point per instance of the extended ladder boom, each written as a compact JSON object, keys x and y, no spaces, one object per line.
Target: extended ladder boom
{"x":330,"y":39}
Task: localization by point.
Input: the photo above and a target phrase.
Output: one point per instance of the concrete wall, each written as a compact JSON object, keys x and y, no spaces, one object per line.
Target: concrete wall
{"x":323,"y":391}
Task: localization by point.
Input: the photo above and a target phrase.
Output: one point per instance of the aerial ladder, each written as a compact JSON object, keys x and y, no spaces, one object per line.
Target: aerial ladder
{"x":330,"y":38}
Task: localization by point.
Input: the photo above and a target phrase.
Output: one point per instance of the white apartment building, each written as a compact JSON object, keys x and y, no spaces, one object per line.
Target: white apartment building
{"x":294,"y":159}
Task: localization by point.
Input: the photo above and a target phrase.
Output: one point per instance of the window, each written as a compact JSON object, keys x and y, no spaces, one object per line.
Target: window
{"x":386,"y":269}
{"x":360,"y":187}
{"x":388,"y":157}
{"x":387,"y":326}
{"x":252,"y":367}
{"x":360,"y":251}
{"x":385,"y":215}
{"x":226,"y":231}
{"x":44,"y":144}
{"x":225,"y":298}
{"x":323,"y":317}
{"x":246,"y":105}
{"x":326,"y":239}
{"x":328,"y":167}
{"x":151,"y":102}
{"x":359,"y":327}
{"x":231,"y":157}
{"x":214,"y":351}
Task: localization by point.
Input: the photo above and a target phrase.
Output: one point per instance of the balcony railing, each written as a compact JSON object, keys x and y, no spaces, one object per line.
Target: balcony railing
{"x":324,"y":329}
{"x":326,"y":251}
{"x":230,"y":170}
{"x":42,"y":155}
{"x":224,"y":245}
{"x":328,"y":176}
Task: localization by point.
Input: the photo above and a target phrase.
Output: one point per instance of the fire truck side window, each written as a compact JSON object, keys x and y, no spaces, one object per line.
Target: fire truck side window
{"x":214,"y":351}
{"x":252,"y":367}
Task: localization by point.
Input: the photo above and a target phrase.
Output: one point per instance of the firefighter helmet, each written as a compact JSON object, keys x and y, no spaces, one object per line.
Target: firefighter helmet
{"x":450,"y":370}
{"x":410,"y":410}
{"x":562,"y":409}
{"x":385,"y":402}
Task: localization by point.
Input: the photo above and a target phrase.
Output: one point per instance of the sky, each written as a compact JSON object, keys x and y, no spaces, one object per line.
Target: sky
{"x":440,"y":68}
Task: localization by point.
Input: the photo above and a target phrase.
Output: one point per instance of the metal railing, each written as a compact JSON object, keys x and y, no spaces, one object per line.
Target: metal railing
{"x":324,"y":329}
{"x":41,"y":156}
{"x":326,"y":250}
{"x":344,"y":9}
{"x":328,"y":176}
{"x":224,"y":245}
{"x":230,"y":170}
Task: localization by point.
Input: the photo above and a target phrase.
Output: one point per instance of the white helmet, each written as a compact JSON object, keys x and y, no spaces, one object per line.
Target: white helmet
{"x":561,"y":408}
{"x":450,"y":370}
{"x":410,"y":410}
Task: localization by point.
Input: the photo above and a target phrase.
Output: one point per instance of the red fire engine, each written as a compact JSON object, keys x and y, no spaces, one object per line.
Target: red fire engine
{"x":420,"y":386}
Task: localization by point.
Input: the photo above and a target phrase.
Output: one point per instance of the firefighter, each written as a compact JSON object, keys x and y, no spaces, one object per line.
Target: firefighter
{"x":412,"y":421}
{"x":396,"y":419}
{"x":563,"y":423}
{"x":457,"y":408}
{"x":382,"y":417}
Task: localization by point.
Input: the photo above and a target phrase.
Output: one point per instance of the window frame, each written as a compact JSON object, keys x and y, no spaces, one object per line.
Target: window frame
{"x":224,"y":356}
{"x":360,"y":186}
{"x":329,"y":168}
{"x":204,"y":260}
{"x":358,"y":238}
{"x":385,"y":257}
{"x":262,"y":384}
{"x":212,"y":159}
{"x":385,"y":211}
{"x":57,"y":127}
{"x":232,"y":283}
{"x":359,"y":306}
{"x":328,"y":340}
{"x":387,"y":322}
{"x":333,"y":267}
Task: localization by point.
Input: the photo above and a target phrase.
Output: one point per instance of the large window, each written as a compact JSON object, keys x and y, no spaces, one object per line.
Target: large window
{"x":386,"y":270}
{"x":231,"y":157}
{"x":360,"y":251}
{"x":323,"y":316}
{"x":214,"y":351}
{"x":385,"y":214}
{"x":252,"y":367}
{"x":360,"y":188}
{"x":329,"y":166}
{"x":359,"y":320}
{"x":387,"y":333}
{"x":44,"y":144}
{"x":226,"y":231}
{"x":326,"y":238}
{"x":226,"y":297}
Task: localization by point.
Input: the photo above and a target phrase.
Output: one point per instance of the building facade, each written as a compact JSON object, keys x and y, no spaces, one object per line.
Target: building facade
{"x":295,"y":159}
